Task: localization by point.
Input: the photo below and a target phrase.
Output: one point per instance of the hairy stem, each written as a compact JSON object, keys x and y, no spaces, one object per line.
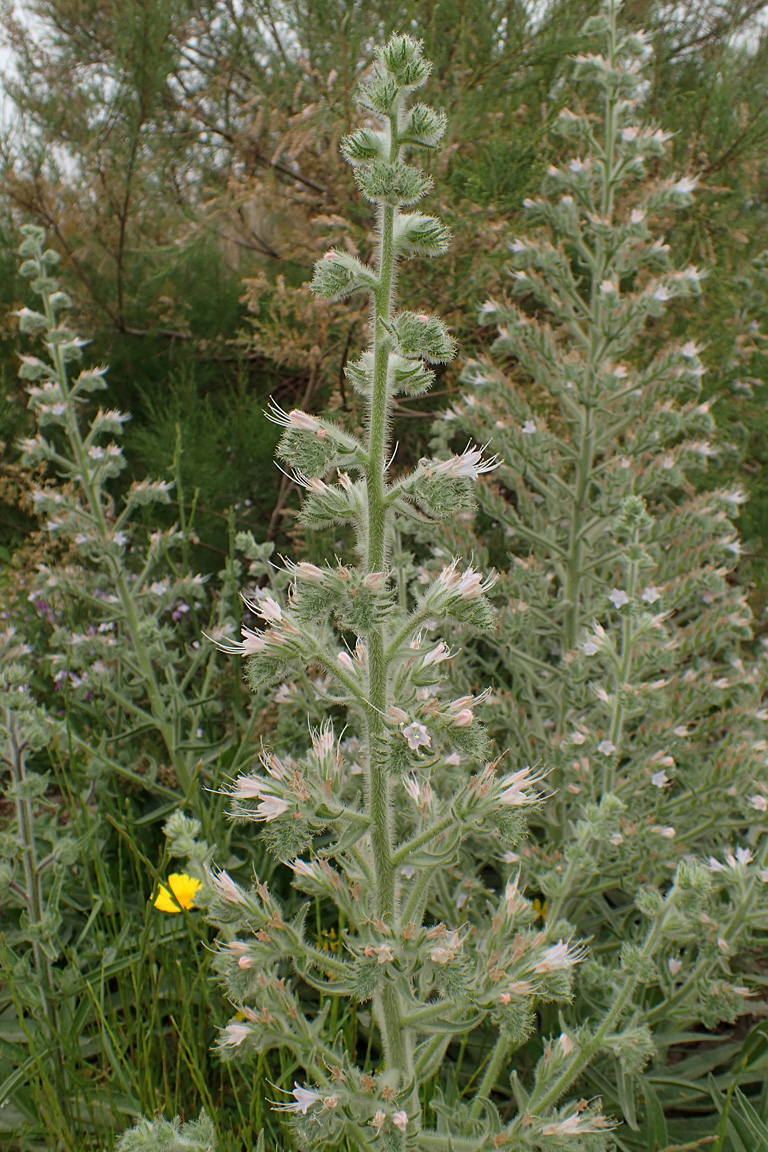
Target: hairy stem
{"x":397,"y":1041}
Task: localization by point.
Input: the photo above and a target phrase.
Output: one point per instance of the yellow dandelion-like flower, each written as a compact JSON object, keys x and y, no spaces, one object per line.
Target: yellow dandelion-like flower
{"x":179,"y":894}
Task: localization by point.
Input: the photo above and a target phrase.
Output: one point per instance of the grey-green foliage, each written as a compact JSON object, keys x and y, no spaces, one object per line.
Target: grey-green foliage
{"x":172,"y":1136}
{"x":623,"y":657}
{"x":390,"y":824}
{"x":125,"y":579}
{"x":110,"y":649}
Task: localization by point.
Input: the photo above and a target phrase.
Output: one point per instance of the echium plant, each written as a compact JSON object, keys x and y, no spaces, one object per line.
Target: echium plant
{"x":621,"y":657}
{"x":101,"y":642}
{"x":139,"y":689}
{"x":385,"y":852}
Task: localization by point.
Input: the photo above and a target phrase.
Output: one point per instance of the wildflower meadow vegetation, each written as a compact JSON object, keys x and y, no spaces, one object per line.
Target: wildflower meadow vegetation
{"x":414,"y":798}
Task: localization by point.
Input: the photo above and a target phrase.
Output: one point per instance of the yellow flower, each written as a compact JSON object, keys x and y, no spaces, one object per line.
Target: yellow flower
{"x":181,"y":894}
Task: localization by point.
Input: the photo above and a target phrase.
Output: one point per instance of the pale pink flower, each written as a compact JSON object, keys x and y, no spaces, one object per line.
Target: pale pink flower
{"x":226,"y":887}
{"x":400,"y":1120}
{"x":252,"y":644}
{"x":302,"y":868}
{"x":233,"y":1035}
{"x":309,"y":571}
{"x":271,"y":807}
{"x":417,"y":736}
{"x":397,"y":714}
{"x":248,"y":787}
{"x":303,"y":421}
{"x":574,"y":1124}
{"x":257,"y":788}
{"x":413,"y":789}
{"x":304,"y":1099}
{"x":296,"y":419}
{"x":512,"y":794}
{"x":685,"y":185}
{"x":437,"y":655}
{"x":468,"y":466}
{"x":559,"y":957}
{"x":470,"y":584}
{"x":513,"y":899}
{"x":267,"y":607}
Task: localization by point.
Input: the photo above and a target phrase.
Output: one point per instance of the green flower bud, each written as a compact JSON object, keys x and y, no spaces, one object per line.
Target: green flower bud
{"x":424,"y":127}
{"x":421,"y":235}
{"x":363,"y":146}
{"x":642,"y":967}
{"x":380,"y":95}
{"x":394,"y":184}
{"x":326,"y":505}
{"x":338,"y":274}
{"x":423,"y":335}
{"x":409,"y":376}
{"x":403,"y":60}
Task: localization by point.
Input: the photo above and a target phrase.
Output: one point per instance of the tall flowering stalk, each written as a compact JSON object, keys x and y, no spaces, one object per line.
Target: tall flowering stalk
{"x":622,"y":656}
{"x":100,"y":640}
{"x":113,"y":601}
{"x":389,"y":823}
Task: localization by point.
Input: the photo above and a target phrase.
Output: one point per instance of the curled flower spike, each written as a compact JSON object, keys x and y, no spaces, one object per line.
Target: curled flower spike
{"x":179,"y":894}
